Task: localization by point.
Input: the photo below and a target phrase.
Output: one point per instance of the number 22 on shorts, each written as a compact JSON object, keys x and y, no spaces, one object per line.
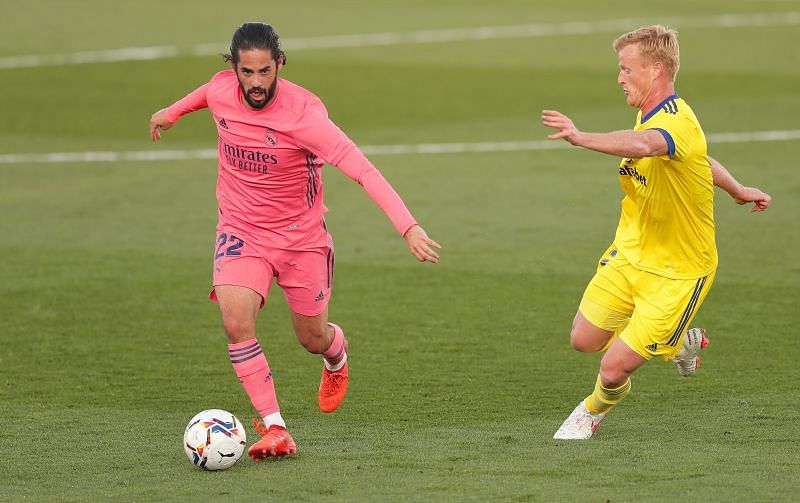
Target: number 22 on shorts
{"x":234,"y":246}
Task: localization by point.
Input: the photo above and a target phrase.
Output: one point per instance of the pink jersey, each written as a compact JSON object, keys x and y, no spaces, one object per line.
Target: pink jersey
{"x":270,"y":162}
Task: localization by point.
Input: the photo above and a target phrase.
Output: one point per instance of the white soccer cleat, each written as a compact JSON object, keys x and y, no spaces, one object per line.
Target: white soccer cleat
{"x":580,"y":425}
{"x":688,"y":361}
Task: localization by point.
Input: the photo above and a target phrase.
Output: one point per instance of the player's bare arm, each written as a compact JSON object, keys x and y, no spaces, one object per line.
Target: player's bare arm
{"x":628,"y":143}
{"x":738,"y":192}
{"x":158,"y":123}
{"x":420,"y":245}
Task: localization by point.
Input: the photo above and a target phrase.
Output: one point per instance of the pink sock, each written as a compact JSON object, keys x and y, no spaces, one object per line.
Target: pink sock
{"x":252,"y":369}
{"x":337,"y":352}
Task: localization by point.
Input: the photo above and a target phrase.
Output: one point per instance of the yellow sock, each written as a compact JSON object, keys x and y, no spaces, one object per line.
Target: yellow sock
{"x":603,"y":399}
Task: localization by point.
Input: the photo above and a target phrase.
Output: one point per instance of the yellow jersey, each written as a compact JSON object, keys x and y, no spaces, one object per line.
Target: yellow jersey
{"x":667,"y":222}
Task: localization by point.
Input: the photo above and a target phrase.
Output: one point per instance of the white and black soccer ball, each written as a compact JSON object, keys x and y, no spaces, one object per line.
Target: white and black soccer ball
{"x":214,"y":440}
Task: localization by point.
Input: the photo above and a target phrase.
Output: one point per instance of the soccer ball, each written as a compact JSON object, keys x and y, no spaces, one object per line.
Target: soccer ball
{"x":214,"y":440}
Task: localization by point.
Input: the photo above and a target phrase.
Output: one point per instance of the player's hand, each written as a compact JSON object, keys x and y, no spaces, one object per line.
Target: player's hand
{"x":760,"y":199}
{"x":564,"y":125}
{"x":158,"y":123}
{"x":421,"y":246}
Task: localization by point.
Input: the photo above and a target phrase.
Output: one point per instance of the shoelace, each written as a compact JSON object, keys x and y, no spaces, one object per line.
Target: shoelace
{"x":261,"y":428}
{"x":332,"y":379}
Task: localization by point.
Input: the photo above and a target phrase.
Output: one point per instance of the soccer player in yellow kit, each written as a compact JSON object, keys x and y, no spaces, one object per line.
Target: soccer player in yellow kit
{"x":652,"y":280}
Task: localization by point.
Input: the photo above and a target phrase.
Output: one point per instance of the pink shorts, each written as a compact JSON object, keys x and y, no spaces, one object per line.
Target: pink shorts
{"x":306,"y":276}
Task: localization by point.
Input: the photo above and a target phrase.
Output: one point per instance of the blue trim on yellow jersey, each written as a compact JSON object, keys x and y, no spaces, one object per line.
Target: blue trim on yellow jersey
{"x":652,"y":112}
{"x":668,"y":137}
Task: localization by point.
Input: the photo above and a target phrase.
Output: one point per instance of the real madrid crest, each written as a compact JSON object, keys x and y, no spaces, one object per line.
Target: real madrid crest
{"x":272,"y":140}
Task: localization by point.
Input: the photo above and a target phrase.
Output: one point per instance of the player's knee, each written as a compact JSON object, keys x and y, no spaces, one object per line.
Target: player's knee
{"x":238,"y":329}
{"x":582,"y":342}
{"x":579,"y":344}
{"x":612,"y":376}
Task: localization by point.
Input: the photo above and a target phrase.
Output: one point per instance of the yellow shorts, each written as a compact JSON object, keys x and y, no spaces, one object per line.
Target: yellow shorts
{"x":660,"y":309}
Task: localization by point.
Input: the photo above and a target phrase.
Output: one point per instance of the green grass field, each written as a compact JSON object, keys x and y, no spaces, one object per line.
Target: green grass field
{"x":460,"y":372}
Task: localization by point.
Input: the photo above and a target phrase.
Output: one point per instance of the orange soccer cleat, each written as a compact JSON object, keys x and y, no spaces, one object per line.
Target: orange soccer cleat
{"x":332,"y":388}
{"x":275,"y":441}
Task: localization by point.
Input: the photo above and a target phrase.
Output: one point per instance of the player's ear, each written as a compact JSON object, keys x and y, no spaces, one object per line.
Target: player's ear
{"x":657,"y":69}
{"x":281,"y":60}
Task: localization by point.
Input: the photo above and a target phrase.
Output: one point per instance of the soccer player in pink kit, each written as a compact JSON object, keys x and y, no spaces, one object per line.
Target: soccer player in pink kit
{"x":273,"y":138}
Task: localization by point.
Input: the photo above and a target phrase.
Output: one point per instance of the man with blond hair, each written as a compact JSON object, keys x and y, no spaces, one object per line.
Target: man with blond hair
{"x":652,"y":280}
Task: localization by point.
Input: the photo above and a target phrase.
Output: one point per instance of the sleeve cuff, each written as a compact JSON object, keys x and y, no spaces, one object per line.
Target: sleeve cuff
{"x":670,"y":141}
{"x":172,"y":115}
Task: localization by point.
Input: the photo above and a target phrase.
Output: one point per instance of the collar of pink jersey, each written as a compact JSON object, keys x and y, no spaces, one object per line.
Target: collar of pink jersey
{"x":242,"y":106}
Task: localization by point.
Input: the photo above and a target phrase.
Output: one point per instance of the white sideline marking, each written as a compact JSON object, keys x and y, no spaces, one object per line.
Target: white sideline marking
{"x":422,"y":148}
{"x":77,"y":58}
{"x":413,"y":37}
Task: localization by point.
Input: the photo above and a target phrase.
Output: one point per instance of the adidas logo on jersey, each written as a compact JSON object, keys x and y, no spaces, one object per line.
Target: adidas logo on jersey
{"x":223,"y":124}
{"x":320,"y":297}
{"x":651,"y":347}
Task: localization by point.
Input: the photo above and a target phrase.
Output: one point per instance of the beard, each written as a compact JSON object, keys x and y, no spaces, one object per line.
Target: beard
{"x":258,"y":103}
